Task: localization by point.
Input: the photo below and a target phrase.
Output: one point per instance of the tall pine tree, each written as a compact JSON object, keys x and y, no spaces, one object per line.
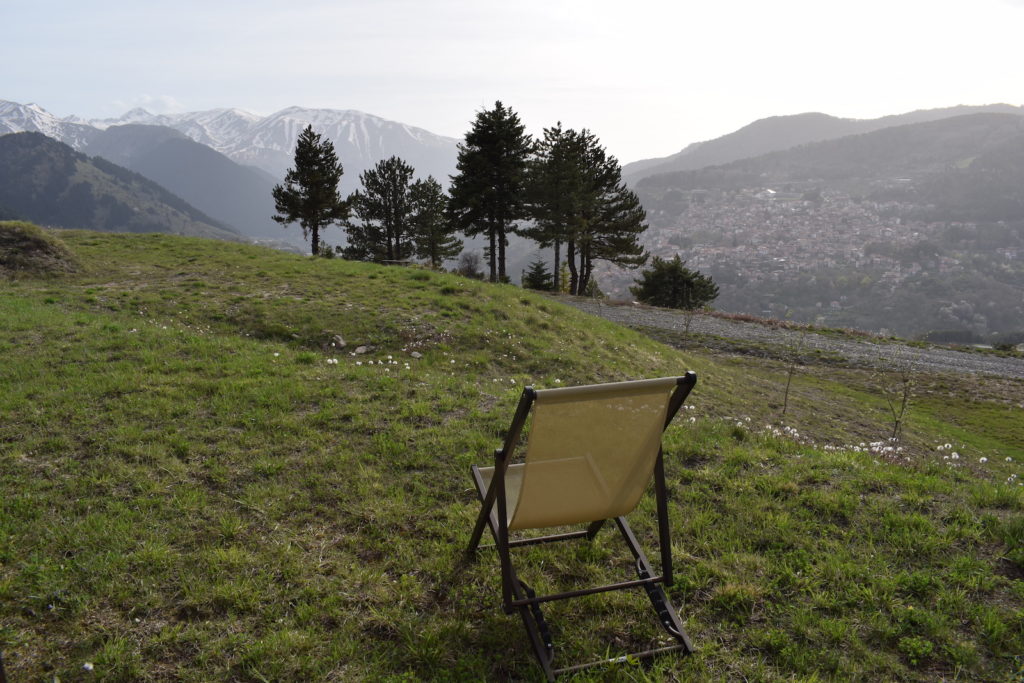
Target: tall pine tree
{"x":551,"y":194}
{"x":487,"y":192}
{"x":432,"y":233}
{"x":309,"y":195}
{"x":384,"y":208}
{"x":577,"y":198}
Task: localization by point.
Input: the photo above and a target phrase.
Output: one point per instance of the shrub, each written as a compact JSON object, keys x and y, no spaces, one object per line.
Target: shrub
{"x":27,"y":249}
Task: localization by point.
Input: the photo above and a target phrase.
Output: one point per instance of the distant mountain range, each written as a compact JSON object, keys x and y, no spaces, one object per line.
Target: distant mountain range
{"x":266,"y":142}
{"x":784,"y":132}
{"x":224,"y":162}
{"x":960,"y":168}
{"x":45,"y":181}
{"x":231,"y":193}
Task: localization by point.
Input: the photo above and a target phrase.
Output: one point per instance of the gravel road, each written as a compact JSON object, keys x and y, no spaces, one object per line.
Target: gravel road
{"x":857,"y":352}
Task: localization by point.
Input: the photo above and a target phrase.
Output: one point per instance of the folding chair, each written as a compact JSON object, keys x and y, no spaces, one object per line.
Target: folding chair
{"x":590,"y":454}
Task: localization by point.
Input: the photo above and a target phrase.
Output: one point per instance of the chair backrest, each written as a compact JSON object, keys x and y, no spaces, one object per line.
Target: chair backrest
{"x":591,"y":451}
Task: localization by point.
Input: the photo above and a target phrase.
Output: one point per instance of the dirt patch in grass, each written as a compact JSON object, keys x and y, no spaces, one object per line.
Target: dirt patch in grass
{"x":26,"y":249}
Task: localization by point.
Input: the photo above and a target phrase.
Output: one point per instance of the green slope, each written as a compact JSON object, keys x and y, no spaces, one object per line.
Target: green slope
{"x":190,"y":491}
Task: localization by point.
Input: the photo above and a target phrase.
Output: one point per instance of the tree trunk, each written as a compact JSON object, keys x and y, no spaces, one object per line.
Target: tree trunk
{"x":315,"y":233}
{"x":558,"y":266}
{"x":574,"y":277}
{"x":585,"y":268}
{"x":501,"y":255}
{"x":491,"y":254}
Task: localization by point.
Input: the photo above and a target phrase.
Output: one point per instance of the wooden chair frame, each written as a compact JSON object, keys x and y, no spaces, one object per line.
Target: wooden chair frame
{"x":518,"y":596}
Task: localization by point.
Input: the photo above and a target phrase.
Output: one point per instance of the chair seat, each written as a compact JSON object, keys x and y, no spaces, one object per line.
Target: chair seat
{"x":513,"y":485}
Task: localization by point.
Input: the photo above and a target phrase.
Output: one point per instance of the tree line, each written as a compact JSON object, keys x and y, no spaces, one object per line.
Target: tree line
{"x":563,"y":191}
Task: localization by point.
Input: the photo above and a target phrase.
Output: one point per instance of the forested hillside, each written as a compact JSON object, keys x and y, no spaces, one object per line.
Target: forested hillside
{"x":47,"y":182}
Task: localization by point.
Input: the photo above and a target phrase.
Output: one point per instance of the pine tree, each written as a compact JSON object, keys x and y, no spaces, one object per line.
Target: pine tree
{"x":670,"y":284}
{"x":551,"y":194}
{"x":487,"y":191}
{"x":433,"y":234}
{"x":385,"y":208}
{"x":538,"y":277}
{"x":577,"y":198}
{"x":309,"y":195}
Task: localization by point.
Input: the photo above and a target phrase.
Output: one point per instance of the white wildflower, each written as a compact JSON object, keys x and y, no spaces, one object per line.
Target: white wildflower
{"x":982,"y":460}
{"x":88,"y":666}
{"x":276,"y":354}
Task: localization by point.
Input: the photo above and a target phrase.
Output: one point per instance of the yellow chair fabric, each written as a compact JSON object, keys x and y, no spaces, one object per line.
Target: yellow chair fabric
{"x":590,"y":453}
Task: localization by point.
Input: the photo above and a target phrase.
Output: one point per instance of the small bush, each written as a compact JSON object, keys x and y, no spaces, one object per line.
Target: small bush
{"x":915,"y":649}
{"x":26,"y":249}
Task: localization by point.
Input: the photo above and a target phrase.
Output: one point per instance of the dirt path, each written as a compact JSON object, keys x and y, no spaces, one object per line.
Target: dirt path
{"x":882,"y":354}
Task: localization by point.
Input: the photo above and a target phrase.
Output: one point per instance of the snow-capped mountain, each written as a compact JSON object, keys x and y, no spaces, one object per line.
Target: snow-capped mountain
{"x":267,"y":142}
{"x":359,"y":139}
{"x":20,"y":118}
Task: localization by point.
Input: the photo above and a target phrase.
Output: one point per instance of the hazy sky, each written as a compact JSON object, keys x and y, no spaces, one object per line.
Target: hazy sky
{"x":648,"y":77}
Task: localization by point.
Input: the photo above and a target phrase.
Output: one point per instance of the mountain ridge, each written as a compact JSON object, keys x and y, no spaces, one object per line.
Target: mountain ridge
{"x":46,"y":181}
{"x":267,"y":142}
{"x":777,"y":133}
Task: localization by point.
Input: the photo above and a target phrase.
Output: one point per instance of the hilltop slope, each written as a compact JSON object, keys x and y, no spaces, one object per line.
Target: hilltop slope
{"x":189,"y":490}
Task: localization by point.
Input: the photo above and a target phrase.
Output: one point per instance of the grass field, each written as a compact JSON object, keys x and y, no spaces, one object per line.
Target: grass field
{"x":191,"y":489}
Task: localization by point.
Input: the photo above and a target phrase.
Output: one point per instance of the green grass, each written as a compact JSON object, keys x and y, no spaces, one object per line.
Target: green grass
{"x":190,"y":491}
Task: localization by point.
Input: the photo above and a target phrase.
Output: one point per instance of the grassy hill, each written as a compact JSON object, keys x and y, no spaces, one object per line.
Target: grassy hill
{"x":189,"y":490}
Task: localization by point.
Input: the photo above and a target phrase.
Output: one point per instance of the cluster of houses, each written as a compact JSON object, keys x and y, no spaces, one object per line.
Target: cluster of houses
{"x":760,"y":237}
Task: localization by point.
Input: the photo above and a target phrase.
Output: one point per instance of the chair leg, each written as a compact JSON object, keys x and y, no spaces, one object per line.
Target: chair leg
{"x":667,"y":615}
{"x":594,"y":528}
{"x":533,"y":614}
{"x":536,"y":627}
{"x":487,"y":515}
